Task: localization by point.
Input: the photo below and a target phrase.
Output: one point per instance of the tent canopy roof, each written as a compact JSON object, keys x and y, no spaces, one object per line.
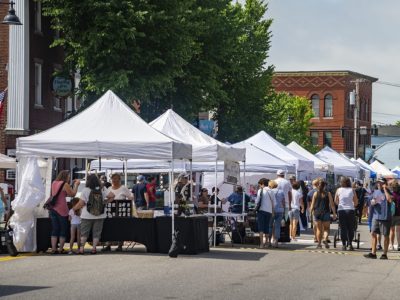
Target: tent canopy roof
{"x":342,"y":165}
{"x":205,"y":148}
{"x":7,"y":162}
{"x":318,"y":163}
{"x":265,"y":142}
{"x":382,"y":170}
{"x":107,"y":128}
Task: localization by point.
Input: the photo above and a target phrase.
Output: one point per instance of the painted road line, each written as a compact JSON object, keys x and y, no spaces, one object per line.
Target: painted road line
{"x":23,"y":255}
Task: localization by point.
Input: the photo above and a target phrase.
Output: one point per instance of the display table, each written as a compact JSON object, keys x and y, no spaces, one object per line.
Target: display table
{"x":142,"y":231}
{"x":193,"y":234}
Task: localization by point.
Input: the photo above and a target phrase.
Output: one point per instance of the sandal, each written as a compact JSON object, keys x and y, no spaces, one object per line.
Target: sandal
{"x":81,"y":252}
{"x":94,"y":251}
{"x":62,"y":251}
{"x":53,"y":252}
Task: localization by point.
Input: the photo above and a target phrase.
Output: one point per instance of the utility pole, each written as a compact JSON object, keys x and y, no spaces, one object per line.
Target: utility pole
{"x":356,"y":106}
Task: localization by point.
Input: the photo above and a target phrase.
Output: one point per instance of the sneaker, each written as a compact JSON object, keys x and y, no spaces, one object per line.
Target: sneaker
{"x":319,"y":246}
{"x":106,"y":249}
{"x":391,"y":247}
{"x":328,"y":240}
{"x":383,"y":256}
{"x":294,"y":240}
{"x":379,"y":247}
{"x":370,"y":255}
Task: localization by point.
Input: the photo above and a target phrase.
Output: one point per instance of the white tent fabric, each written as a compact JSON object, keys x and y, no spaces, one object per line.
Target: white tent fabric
{"x":205,"y":148}
{"x":265,"y":142}
{"x":319,"y":164}
{"x":342,"y":165}
{"x":367,"y":171}
{"x":108,"y":128}
{"x":365,"y":165}
{"x":7,"y":162}
{"x":382,"y":170}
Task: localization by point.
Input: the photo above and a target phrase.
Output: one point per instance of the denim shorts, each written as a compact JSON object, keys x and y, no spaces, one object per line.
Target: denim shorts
{"x":294,"y":214}
{"x":324,"y":217}
{"x":59,"y":224}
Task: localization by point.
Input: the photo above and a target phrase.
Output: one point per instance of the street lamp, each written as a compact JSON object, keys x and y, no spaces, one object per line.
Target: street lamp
{"x":11,"y":18}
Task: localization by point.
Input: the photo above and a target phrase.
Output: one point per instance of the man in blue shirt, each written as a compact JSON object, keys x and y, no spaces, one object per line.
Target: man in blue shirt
{"x":381,"y":219}
{"x":236,"y":200}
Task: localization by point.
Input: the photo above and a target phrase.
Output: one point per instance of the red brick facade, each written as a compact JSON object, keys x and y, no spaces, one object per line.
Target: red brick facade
{"x":330,"y":119}
{"x":50,"y":58}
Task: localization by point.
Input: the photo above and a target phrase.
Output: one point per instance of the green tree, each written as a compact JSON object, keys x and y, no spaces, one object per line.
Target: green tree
{"x":289,"y":119}
{"x":397,"y":123}
{"x":194,"y":55}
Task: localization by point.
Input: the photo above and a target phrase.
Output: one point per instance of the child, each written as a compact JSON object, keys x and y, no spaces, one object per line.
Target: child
{"x":75,"y":219}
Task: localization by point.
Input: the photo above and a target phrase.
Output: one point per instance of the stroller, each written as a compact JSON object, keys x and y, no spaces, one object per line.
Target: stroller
{"x":357,"y":235}
{"x":6,"y":239}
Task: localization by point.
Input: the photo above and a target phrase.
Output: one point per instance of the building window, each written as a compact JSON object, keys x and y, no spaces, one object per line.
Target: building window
{"x":314,"y":138}
{"x":57,"y":104}
{"x":328,"y":106}
{"x":315,"y":105}
{"x":38,"y":17}
{"x":38,"y":85}
{"x":328,"y":139}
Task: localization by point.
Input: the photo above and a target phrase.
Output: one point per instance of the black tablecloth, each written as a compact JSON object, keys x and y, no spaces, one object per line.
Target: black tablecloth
{"x":142,"y":231}
{"x":192,"y":238}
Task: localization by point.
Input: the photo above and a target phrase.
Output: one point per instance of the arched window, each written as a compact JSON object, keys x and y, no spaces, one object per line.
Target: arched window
{"x":328,"y":105}
{"x":315,"y":105}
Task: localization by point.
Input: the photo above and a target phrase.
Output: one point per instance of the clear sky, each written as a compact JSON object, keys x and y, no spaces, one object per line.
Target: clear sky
{"x":357,"y":35}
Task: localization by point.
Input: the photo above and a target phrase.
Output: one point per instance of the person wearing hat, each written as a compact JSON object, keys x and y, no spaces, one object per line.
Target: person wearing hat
{"x":140,"y":192}
{"x":381,"y":219}
{"x":285,"y":186}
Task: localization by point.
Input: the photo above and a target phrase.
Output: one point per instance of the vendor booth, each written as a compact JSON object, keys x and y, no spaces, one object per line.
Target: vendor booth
{"x":342,"y":166}
{"x":267,"y":143}
{"x":109,"y":129}
{"x":7,"y":162}
{"x":382,"y":170}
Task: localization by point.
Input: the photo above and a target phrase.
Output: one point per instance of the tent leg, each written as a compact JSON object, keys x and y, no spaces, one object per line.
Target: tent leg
{"x":215,"y":205}
{"x":86,"y":169}
{"x":126,"y":172}
{"x":172,"y":200}
{"x":191,"y":185}
{"x":244,"y":189}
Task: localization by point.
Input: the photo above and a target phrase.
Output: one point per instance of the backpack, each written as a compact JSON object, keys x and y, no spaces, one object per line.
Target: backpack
{"x":95,"y":204}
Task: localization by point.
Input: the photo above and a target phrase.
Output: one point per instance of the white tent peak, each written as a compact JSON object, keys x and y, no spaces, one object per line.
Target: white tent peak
{"x":107,"y":128}
{"x":342,"y":165}
{"x":205,"y":148}
{"x":267,"y":143}
{"x":318,"y":163}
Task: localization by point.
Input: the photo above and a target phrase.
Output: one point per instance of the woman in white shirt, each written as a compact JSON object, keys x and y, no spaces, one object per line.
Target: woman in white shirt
{"x":264,"y":213}
{"x":121,"y":192}
{"x":92,"y":202}
{"x":346,"y":199}
{"x":297,"y":205}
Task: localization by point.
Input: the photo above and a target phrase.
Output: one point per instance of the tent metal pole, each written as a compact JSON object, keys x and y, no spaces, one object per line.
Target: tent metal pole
{"x":86,"y":169}
{"x":215,"y":204}
{"x":244,"y":188}
{"x":191,"y":181}
{"x":172,"y":200}
{"x":126,"y":172}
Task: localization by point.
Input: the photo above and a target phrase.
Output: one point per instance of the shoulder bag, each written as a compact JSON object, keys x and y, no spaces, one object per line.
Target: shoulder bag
{"x":49,"y":204}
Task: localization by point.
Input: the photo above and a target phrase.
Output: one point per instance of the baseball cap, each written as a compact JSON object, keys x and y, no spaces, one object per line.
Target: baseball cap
{"x":280,"y":172}
{"x":382,"y":179}
{"x":140,"y":178}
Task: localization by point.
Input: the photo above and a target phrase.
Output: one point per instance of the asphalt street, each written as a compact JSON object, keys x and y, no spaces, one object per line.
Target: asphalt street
{"x":295,"y":271}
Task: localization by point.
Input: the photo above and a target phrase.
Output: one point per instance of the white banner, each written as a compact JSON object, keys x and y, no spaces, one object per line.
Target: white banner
{"x":231,"y":172}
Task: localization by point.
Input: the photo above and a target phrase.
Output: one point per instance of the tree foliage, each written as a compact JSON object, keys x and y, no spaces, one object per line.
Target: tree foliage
{"x":290,"y":119}
{"x":194,"y":55}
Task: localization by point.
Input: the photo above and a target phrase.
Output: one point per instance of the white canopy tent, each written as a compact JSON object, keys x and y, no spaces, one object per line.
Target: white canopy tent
{"x":382,"y":170}
{"x":341,"y":165}
{"x":7,"y":162}
{"x":319,"y":164}
{"x":205,"y":148}
{"x":108,"y":128}
{"x":367,"y":171}
{"x":265,"y":142}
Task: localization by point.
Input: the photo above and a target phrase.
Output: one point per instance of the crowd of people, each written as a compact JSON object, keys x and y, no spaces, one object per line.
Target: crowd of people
{"x":278,"y":203}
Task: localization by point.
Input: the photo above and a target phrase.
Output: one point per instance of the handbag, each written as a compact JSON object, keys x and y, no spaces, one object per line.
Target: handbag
{"x":259,"y":202}
{"x":49,"y":204}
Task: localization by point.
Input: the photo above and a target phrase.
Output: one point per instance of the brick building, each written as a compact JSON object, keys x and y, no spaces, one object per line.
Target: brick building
{"x":328,"y":92}
{"x":30,"y":104}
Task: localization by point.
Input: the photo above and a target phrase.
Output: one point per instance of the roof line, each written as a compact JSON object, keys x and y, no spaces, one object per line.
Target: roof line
{"x":326,"y":73}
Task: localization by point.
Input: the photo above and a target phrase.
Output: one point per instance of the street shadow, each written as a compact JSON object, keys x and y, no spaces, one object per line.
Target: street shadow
{"x":8,"y":290}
